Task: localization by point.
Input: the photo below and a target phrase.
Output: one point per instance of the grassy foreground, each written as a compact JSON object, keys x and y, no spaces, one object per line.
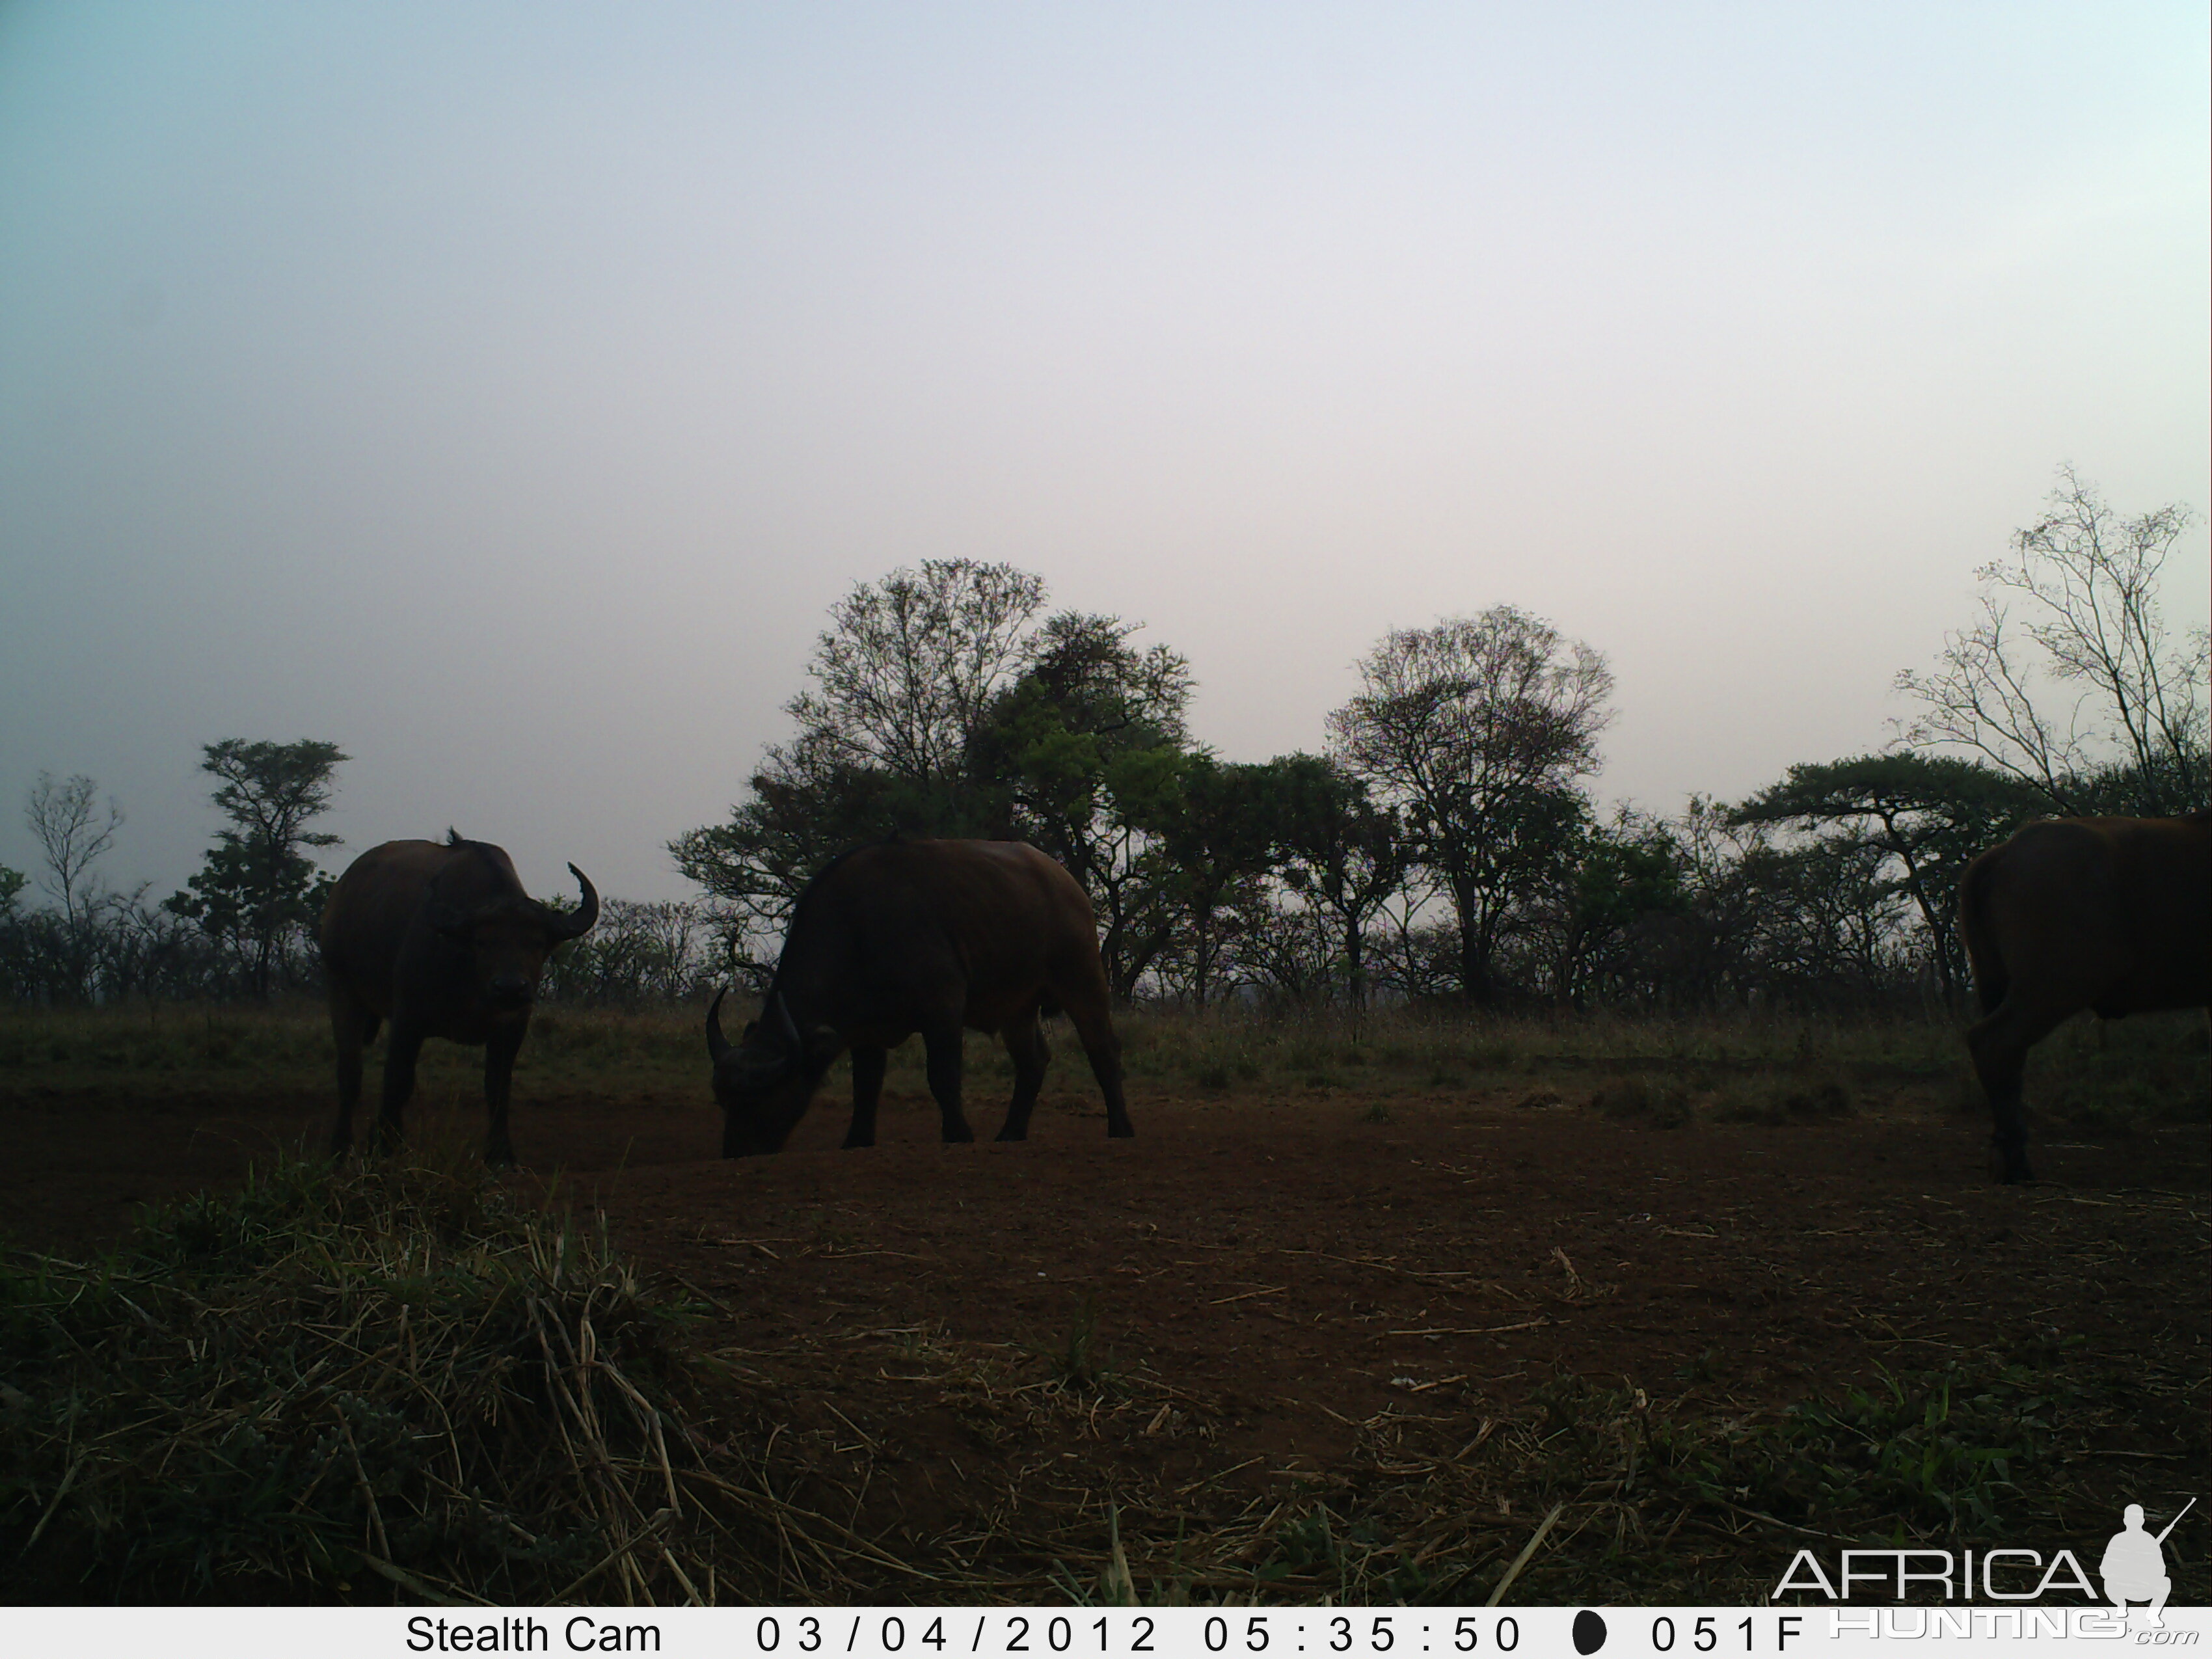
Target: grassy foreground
{"x":405,"y":1384}
{"x":413,"y":1383}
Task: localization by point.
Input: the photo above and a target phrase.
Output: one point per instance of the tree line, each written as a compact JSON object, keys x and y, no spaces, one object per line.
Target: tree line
{"x":1442,"y":844}
{"x":243,"y":927}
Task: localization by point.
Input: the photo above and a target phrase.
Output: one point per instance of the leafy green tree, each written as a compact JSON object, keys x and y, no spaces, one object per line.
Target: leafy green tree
{"x":1218,"y":825}
{"x":2098,"y":707}
{"x":799,"y":813}
{"x":256,"y":888}
{"x":1079,"y":757}
{"x":1924,"y":817}
{"x":1341,"y":854}
{"x":1624,"y":875}
{"x":901,"y":681}
{"x":940,"y":707}
{"x":1476,"y":729}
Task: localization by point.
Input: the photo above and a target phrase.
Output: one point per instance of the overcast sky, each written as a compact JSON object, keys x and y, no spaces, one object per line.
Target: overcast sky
{"x":504,"y":392}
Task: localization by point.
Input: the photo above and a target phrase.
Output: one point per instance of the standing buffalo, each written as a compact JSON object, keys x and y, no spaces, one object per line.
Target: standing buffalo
{"x":928,"y":936}
{"x":441,"y":941}
{"x":2113,"y":915}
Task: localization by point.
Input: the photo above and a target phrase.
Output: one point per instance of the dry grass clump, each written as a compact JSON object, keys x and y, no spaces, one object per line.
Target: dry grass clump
{"x":1663,"y":1105}
{"x":1775,"y":1101}
{"x":385,"y":1383}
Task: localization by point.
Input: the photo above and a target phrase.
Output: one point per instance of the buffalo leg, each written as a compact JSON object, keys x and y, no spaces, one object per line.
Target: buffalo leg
{"x":867,"y":1090}
{"x":943,"y":1045}
{"x":352,"y":1027}
{"x":401,"y":1050}
{"x":500,"y":1050}
{"x":1999,"y":1045}
{"x":1026,"y":1047}
{"x":1103,"y":1050}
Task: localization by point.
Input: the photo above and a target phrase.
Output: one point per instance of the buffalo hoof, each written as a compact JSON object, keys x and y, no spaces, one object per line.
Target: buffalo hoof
{"x":1011,"y":1134}
{"x":960,"y":1136}
{"x":1121,"y":1131}
{"x":500,"y":1157}
{"x":852,"y":1143}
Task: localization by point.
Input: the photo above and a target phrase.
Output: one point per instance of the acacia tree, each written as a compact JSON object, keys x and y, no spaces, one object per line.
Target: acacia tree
{"x":2134,"y":735}
{"x":1476,"y":729}
{"x":1927,"y":816}
{"x":257,"y":887}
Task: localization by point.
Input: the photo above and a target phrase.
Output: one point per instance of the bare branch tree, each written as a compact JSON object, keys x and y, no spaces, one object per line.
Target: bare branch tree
{"x":66,"y":819}
{"x":73,"y":835}
{"x":910,"y":664}
{"x":2088,"y":581}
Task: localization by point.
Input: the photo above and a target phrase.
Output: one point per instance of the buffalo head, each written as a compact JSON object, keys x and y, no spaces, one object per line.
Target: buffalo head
{"x":764,"y":1081}
{"x":508,"y":939}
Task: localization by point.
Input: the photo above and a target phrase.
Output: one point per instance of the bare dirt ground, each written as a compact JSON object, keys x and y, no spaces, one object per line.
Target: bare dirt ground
{"x":1289,"y":1295}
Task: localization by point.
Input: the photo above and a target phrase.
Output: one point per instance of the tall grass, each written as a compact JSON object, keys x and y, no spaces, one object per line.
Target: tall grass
{"x":2098,"y":1076}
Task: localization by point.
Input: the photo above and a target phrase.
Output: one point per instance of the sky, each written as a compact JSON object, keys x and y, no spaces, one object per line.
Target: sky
{"x":504,"y":392}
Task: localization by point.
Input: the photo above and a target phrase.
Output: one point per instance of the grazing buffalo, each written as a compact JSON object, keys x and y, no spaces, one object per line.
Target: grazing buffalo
{"x":928,"y":936}
{"x":2112,"y":914}
{"x":440,"y":939}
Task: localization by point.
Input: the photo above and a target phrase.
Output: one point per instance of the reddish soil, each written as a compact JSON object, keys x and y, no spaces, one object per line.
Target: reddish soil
{"x":1274,"y":1276}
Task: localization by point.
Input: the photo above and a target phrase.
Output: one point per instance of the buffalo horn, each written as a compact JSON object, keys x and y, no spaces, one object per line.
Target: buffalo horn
{"x":580,"y":919}
{"x":717,"y":1044}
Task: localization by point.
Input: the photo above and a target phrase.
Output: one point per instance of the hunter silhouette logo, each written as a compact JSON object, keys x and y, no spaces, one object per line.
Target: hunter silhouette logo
{"x":2134,"y":1567}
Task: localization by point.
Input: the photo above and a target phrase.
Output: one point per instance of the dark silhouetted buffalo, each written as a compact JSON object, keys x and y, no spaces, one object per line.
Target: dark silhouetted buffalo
{"x":441,"y":941}
{"x":928,"y":936}
{"x":2112,"y":914}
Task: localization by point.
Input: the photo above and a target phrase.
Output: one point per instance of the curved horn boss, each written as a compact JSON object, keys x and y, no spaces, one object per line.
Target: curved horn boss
{"x":717,"y":1044}
{"x":575,"y":923}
